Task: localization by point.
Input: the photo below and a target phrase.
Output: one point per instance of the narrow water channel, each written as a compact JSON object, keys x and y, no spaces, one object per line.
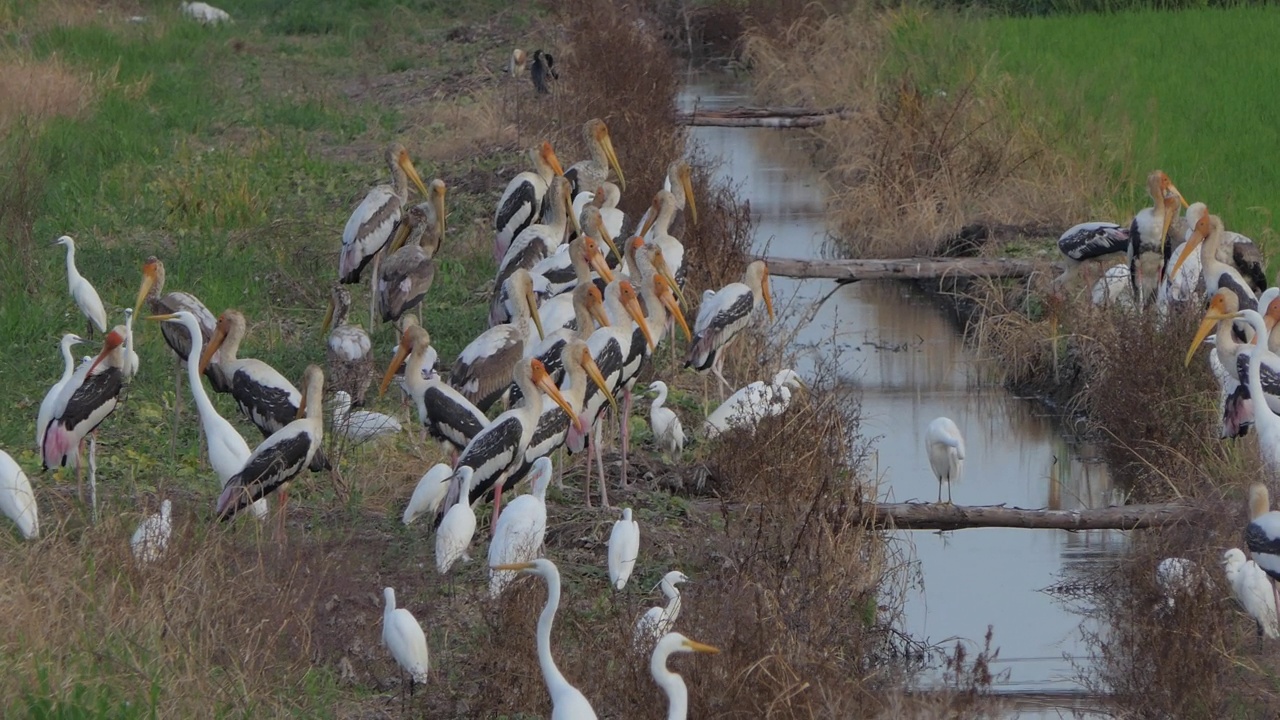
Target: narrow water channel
{"x":910,"y":363}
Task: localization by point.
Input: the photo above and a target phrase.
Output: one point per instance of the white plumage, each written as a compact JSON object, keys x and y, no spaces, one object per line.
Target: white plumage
{"x":404,"y":638}
{"x":152,"y":536}
{"x":671,"y":683}
{"x":17,"y":501}
{"x":204,"y":13}
{"x":1175,"y":576}
{"x":624,"y":547}
{"x":945,"y":446}
{"x":51,"y":397}
{"x":359,"y":426}
{"x":658,"y":621}
{"x":82,"y":291}
{"x":668,"y":433}
{"x":131,"y":363}
{"x":1113,"y":289}
{"x":753,"y":403}
{"x":521,"y":529}
{"x":430,"y":492}
{"x":453,"y":537}
{"x":1253,"y":590}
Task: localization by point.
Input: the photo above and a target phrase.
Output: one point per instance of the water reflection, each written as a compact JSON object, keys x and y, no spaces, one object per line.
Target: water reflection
{"x":911,"y":366}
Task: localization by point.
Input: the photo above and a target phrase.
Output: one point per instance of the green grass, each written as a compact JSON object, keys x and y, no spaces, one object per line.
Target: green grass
{"x":1181,"y":91}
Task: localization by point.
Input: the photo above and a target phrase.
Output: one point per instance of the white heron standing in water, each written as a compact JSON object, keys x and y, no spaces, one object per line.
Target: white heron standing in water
{"x":945,"y":446}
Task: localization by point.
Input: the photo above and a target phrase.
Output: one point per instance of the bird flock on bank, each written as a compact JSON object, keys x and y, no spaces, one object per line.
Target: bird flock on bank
{"x":575,"y":316}
{"x":1201,"y":264}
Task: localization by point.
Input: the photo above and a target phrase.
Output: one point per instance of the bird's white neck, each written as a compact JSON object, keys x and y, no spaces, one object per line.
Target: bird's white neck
{"x":673,"y":685}
{"x":73,"y":274}
{"x":551,"y":674}
{"x":68,"y":363}
{"x":659,"y":402}
{"x":203,"y":405}
{"x":1262,"y":412}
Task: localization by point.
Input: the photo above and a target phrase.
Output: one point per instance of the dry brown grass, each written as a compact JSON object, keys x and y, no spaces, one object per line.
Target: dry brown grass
{"x":934,"y":142}
{"x":35,"y":91}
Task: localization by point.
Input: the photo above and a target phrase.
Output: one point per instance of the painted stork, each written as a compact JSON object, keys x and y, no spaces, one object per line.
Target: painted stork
{"x":51,"y":398}
{"x":408,"y":272}
{"x":566,"y":700}
{"x":592,"y":173}
{"x":458,"y":526}
{"x":447,"y":414}
{"x":82,"y":291}
{"x":1265,"y":419}
{"x":17,"y":501}
{"x":679,"y":182}
{"x":605,"y":200}
{"x":588,"y":308}
{"x":524,"y":200}
{"x":405,"y":640}
{"x":1150,"y":227}
{"x":224,"y":445}
{"x":624,"y":548}
{"x":1252,"y":589}
{"x":668,"y":433}
{"x":565,"y":269}
{"x":350,"y":352}
{"x":723,"y":317}
{"x":369,"y":228}
{"x":176,"y":336}
{"x":265,"y":396}
{"x":1234,"y":404}
{"x":482,"y":371}
{"x":1262,"y":535}
{"x":360,"y":426}
{"x":1208,"y":236}
{"x":672,"y":248}
{"x":520,"y":531}
{"x":534,"y":244}
{"x":152,"y":536}
{"x":944,"y":445}
{"x":671,"y":683}
{"x":280,"y":457}
{"x":658,"y":620}
{"x":753,"y":403}
{"x":429,"y":492}
{"x":498,"y":450}
{"x":1090,"y":241}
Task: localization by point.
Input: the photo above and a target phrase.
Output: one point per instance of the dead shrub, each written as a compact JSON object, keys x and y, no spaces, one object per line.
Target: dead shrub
{"x":34,"y":91}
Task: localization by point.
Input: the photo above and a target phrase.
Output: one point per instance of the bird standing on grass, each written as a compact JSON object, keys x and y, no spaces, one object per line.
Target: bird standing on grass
{"x":521,"y":530}
{"x":543,"y":70}
{"x":350,"y":352}
{"x":753,"y":403}
{"x":567,"y":702}
{"x":658,"y":621}
{"x":152,"y":536}
{"x":82,"y":291}
{"x":448,"y":416}
{"x":624,"y":547}
{"x":17,"y":501}
{"x":453,"y":537}
{"x":668,"y":433}
{"x":360,"y":426}
{"x":429,"y":493}
{"x":1253,"y":590}
{"x":68,"y":367}
{"x":945,"y":447}
{"x":524,"y":201}
{"x":410,"y":269}
{"x":671,"y":683}
{"x":404,"y":638}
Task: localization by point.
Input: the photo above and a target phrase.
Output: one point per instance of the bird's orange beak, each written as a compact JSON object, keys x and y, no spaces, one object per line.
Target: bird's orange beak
{"x":632,"y":305}
{"x":215,"y":342}
{"x":406,"y":164}
{"x":606,"y":143}
{"x":686,"y":181}
{"x":768,"y":296}
{"x":604,"y":235}
{"x":548,"y":386}
{"x":1197,"y":238}
{"x":402,"y":352}
{"x":595,"y":305}
{"x":148,"y":281}
{"x":549,"y":156}
{"x":669,"y":302}
{"x":1217,"y":312}
{"x":597,"y":377}
{"x":598,"y":262}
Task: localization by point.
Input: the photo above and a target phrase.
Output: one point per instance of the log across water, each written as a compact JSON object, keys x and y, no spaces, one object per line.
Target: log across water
{"x":934,"y":516}
{"x":906,"y":268}
{"x":762,"y":117}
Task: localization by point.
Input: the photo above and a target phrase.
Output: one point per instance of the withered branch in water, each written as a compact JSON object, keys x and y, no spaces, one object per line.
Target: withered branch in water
{"x":933,"y":516}
{"x":906,"y":268}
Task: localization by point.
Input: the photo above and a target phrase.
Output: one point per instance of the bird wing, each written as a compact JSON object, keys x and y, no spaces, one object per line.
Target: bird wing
{"x":1093,"y":239}
{"x":451,"y":417}
{"x":491,"y":453}
{"x":265,"y":396}
{"x":90,"y":397}
{"x":367,"y":231}
{"x":1263,"y":538}
{"x":276,"y":461}
{"x":405,"y":279}
{"x":730,"y":313}
{"x":1246,"y":258}
{"x":520,"y":206}
{"x":482,"y":372}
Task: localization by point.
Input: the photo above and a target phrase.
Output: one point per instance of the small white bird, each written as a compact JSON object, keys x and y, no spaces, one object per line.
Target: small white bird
{"x":152,"y":536}
{"x":204,"y":13}
{"x":403,"y":636}
{"x":453,"y":537}
{"x":1253,"y":590}
{"x":81,"y":291}
{"x":1175,"y":576}
{"x":521,"y":528}
{"x":753,"y":403}
{"x":51,"y":397}
{"x":359,"y":426}
{"x":658,"y":621}
{"x":429,"y":493}
{"x":671,"y":683}
{"x":945,"y":447}
{"x":668,"y":433}
{"x":624,"y":546}
{"x":130,"y":368}
{"x":17,"y":501}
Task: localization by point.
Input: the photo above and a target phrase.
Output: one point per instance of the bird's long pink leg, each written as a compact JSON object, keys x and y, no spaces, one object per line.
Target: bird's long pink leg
{"x":604,"y":484}
{"x":626,"y":430}
{"x":497,"y":502}
{"x":586,"y":484}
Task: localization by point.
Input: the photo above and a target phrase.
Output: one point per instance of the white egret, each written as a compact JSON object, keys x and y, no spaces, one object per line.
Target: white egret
{"x":360,"y":426}
{"x":17,"y":501}
{"x":82,"y":291}
{"x":521,"y":529}
{"x":1253,"y":590}
{"x":453,"y":537}
{"x":152,"y":536}
{"x":658,"y":621}
{"x":671,"y":683}
{"x":429,"y":493}
{"x":404,"y":638}
{"x":668,"y":433}
{"x":51,"y":398}
{"x":945,"y":446}
{"x":753,"y":403}
{"x":624,"y":547}
{"x":726,"y":314}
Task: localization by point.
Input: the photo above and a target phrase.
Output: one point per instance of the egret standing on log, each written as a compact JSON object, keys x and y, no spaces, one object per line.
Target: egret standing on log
{"x":567,"y":702}
{"x":523,"y":203}
{"x":590,"y":174}
{"x":447,"y":414}
{"x":407,"y":274}
{"x":224,"y":445}
{"x":726,"y":314}
{"x":280,"y":457}
{"x":945,"y":447}
{"x":350,"y":352}
{"x":81,"y":291}
{"x":17,"y":501}
{"x":369,"y":228}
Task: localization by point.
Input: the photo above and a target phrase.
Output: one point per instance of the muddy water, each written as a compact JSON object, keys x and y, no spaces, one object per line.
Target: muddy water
{"x":911,"y":365}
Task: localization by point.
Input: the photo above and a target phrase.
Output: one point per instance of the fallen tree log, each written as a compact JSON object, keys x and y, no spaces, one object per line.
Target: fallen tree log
{"x":906,"y":268}
{"x":934,"y":516}
{"x":764,"y":117}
